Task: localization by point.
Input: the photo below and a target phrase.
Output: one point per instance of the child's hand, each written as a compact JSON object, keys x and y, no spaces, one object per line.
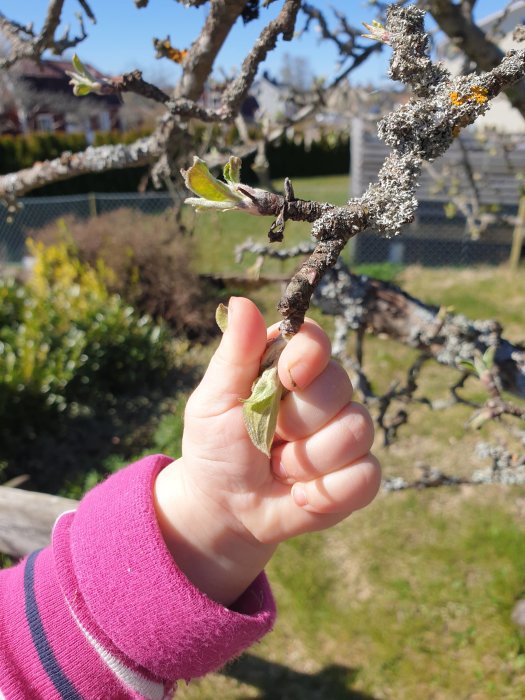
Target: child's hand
{"x":224,"y":506}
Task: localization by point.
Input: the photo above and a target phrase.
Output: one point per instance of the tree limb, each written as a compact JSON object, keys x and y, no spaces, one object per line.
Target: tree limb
{"x":26,"y":44}
{"x":68,"y":165}
{"x":359,"y":303}
{"x":422,"y":129}
{"x":284,"y":24}
{"x":460,"y":27}
{"x":26,"y":519}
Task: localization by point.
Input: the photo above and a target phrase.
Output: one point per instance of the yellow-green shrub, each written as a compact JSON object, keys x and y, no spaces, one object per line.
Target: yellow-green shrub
{"x":67,"y":343}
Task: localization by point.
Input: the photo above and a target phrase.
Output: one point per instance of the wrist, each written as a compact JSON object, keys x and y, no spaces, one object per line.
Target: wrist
{"x":206,"y":542}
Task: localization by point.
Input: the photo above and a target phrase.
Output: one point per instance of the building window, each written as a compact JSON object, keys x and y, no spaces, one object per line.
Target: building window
{"x":45,"y":122}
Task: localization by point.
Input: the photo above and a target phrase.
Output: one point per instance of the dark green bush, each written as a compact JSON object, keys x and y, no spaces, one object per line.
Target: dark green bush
{"x":67,"y":345}
{"x":294,"y":157}
{"x":18,"y":152}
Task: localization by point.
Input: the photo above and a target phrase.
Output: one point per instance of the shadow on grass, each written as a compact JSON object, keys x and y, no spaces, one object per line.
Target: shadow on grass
{"x":278,"y":682}
{"x":68,"y":453}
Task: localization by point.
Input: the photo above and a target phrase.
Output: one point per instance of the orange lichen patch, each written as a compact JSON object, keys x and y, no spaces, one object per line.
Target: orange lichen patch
{"x":456,"y":99}
{"x":165,"y":49}
{"x":477,"y":94}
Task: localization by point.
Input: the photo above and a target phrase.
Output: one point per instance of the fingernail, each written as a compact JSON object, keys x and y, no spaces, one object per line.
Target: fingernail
{"x":297,"y":373}
{"x":299,"y":495}
{"x":292,"y":380}
{"x":231,"y":307}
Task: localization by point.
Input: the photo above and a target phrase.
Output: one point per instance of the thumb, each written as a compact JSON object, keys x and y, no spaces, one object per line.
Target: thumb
{"x":235,"y":364}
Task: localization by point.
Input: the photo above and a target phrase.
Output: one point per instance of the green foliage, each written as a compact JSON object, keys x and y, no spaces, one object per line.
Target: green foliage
{"x":18,"y":152}
{"x":67,"y":343}
{"x":103,"y":138}
{"x":327,"y":155}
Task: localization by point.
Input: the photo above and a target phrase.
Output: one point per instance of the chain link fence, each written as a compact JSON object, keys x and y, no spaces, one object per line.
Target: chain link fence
{"x":36,"y":212}
{"x":437,"y":240}
{"x":433,"y":239}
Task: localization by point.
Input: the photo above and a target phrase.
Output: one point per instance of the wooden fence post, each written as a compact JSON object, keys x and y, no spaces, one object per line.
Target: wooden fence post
{"x":517,"y":236}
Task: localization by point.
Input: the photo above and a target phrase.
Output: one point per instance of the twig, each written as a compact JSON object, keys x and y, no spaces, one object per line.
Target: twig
{"x":26,"y":44}
{"x":421,"y":130}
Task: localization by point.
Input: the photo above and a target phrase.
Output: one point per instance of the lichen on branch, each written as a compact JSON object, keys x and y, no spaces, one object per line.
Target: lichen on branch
{"x":423,"y":129}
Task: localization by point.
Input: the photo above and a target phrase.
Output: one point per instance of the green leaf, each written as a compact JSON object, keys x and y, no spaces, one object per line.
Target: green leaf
{"x":200,"y":203}
{"x":467,"y":364}
{"x":479,"y":419}
{"x":221,"y":317}
{"x":488,"y":356}
{"x":261,"y":409}
{"x":479,"y":364}
{"x":232,"y":170}
{"x":78,"y":65}
{"x":82,"y":90}
{"x":199,"y":180}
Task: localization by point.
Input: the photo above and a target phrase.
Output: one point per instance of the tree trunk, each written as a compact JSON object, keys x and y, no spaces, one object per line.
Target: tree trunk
{"x":385,"y":309}
{"x":26,"y":519}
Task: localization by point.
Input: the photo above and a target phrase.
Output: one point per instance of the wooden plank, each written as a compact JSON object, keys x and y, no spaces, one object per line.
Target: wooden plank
{"x":27,"y":518}
{"x":518,"y":236}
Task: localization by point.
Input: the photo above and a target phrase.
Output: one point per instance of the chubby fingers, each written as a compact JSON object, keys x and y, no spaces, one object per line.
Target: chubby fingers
{"x":304,"y":357}
{"x":322,"y":502}
{"x":339,"y":492}
{"x":344,"y":439}
{"x":304,"y":411}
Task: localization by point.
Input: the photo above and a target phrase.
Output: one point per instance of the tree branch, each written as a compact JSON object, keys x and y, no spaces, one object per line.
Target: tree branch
{"x":26,"y":44}
{"x":359,"y":303}
{"x":422,"y":129}
{"x":68,"y":165}
{"x":284,"y":24}
{"x":466,"y":35}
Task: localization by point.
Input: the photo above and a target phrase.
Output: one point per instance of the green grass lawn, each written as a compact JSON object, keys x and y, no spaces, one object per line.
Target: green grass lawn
{"x":217,"y":233}
{"x":412,"y":597}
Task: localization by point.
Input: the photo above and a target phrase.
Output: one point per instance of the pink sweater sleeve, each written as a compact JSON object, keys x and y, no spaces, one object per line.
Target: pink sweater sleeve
{"x":104,"y":612}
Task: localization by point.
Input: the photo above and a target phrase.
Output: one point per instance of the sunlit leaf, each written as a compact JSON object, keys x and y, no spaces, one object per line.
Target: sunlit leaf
{"x":221,"y":317}
{"x":261,"y":409}
{"x":232,"y":170}
{"x":199,"y":180}
{"x":488,"y":356}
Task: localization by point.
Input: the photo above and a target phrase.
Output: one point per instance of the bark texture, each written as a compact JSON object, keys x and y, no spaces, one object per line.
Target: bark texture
{"x":461,"y":29}
{"x":26,"y":519}
{"x":385,"y":309}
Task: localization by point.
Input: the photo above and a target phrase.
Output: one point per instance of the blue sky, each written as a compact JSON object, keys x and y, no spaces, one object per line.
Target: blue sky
{"x":122,"y":38}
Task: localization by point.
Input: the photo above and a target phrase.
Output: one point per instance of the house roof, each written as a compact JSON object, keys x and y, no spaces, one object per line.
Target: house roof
{"x":50,"y":69}
{"x":495,"y":16}
{"x":52,"y":75}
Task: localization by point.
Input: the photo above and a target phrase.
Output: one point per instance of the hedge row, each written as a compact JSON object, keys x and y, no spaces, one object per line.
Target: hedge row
{"x":17,"y":152}
{"x":329,"y":155}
